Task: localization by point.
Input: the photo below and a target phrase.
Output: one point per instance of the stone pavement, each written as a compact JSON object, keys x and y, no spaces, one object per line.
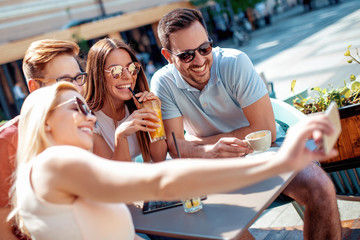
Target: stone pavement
{"x":306,"y":46}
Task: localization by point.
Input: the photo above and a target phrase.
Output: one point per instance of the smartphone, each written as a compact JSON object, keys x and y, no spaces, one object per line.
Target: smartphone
{"x":154,"y":206}
{"x":329,"y":140}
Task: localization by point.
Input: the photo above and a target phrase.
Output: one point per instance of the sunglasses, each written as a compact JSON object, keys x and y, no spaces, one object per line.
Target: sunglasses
{"x":117,"y":71}
{"x":80,"y":79}
{"x":80,"y":105}
{"x":189,"y":55}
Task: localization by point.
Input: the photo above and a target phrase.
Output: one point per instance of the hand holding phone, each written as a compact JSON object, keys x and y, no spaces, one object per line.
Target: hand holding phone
{"x":329,"y":140}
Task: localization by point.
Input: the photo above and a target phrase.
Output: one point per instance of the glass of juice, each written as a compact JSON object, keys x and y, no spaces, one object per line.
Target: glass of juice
{"x":192,"y":205}
{"x":159,"y":134}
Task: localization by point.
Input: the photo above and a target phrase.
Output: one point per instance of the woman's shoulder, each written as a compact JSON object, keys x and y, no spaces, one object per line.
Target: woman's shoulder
{"x":60,"y":156}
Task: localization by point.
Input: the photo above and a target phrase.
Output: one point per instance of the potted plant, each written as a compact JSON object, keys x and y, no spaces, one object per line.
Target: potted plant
{"x":347,"y":98}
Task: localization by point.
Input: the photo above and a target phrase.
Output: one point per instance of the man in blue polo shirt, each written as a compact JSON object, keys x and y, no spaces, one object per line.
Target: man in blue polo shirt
{"x":217,"y":97}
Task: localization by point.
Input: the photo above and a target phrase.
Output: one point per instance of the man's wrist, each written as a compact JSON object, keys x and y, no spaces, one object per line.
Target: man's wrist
{"x":208,"y":150}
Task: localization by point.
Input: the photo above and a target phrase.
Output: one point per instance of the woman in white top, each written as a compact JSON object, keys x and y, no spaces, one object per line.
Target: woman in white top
{"x":121,"y":133}
{"x":63,"y":191}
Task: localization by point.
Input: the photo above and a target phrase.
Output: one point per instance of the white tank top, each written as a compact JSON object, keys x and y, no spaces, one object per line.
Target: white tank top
{"x":105,"y":128}
{"x":82,"y":220}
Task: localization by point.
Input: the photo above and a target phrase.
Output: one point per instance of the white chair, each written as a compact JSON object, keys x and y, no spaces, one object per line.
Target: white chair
{"x":286,"y":116}
{"x":286,"y":113}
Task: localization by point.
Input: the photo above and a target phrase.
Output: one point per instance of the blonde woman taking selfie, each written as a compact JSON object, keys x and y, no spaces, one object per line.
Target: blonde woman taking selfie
{"x":64,"y":191}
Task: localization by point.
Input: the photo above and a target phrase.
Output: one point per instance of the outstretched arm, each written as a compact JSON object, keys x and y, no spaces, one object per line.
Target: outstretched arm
{"x":64,"y":173}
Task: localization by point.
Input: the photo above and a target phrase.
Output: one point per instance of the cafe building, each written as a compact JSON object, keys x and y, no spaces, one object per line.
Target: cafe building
{"x":83,"y":21}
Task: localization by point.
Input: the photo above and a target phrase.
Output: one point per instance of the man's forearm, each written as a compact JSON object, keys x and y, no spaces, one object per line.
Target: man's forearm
{"x":239,"y":133}
{"x":189,"y":149}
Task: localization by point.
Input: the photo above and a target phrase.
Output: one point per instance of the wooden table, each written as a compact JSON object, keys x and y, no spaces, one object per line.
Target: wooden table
{"x":224,"y":216}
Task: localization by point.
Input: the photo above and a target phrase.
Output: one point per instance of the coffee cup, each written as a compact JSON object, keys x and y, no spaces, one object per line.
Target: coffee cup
{"x":259,"y":141}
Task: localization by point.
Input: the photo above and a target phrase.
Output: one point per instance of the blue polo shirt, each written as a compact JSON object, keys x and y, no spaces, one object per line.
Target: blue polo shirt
{"x":233,"y":84}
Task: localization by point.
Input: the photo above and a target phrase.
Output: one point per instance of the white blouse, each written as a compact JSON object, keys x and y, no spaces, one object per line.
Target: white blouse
{"x":83,"y":219}
{"x":105,"y":128}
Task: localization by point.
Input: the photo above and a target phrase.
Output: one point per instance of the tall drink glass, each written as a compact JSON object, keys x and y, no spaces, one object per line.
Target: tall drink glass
{"x":194,"y":204}
{"x":159,"y":134}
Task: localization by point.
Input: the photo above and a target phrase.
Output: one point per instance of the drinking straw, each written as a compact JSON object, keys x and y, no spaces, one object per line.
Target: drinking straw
{"x":137,"y":98}
{"x":176,"y":146}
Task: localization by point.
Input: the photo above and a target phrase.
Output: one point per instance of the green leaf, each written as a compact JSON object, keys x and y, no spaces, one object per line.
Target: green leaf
{"x":352,"y":77}
{"x":355,"y":86}
{"x":346,"y":92}
{"x":293,"y":82}
{"x":347,"y":53}
{"x":316,"y":89}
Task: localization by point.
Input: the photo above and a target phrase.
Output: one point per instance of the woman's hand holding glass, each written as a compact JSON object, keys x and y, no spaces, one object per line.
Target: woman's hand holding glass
{"x":140,"y":120}
{"x":144,"y":97}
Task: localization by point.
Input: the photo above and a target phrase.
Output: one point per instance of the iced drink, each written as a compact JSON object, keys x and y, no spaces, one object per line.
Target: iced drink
{"x":192,"y":205}
{"x":159,"y":134}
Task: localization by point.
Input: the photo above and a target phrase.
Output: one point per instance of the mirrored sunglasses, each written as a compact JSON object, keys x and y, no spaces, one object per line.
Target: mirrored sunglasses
{"x":189,"y":55}
{"x":118,"y":71}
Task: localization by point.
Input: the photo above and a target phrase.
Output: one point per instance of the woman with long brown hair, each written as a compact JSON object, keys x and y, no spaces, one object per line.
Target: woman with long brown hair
{"x":112,"y":69}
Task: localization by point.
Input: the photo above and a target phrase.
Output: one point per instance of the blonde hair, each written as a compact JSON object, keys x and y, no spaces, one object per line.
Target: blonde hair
{"x":96,"y":90}
{"x":32,"y":138}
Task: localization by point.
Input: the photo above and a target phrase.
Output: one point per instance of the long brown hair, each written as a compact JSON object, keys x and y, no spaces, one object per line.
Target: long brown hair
{"x":96,"y":90}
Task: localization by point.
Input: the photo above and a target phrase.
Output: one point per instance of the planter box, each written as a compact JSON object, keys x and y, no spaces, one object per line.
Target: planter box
{"x":344,"y":170}
{"x":348,"y":144}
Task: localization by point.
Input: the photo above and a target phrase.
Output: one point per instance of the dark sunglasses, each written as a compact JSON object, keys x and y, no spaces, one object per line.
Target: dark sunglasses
{"x":189,"y":55}
{"x":80,"y":79}
{"x":80,"y":105}
{"x":117,"y":71}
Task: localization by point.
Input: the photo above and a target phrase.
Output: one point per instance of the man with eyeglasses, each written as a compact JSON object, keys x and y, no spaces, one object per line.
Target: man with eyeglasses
{"x":45,"y":62}
{"x":216,"y":96}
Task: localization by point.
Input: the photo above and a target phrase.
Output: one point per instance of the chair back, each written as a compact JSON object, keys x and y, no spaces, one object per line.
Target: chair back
{"x":285,"y":113}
